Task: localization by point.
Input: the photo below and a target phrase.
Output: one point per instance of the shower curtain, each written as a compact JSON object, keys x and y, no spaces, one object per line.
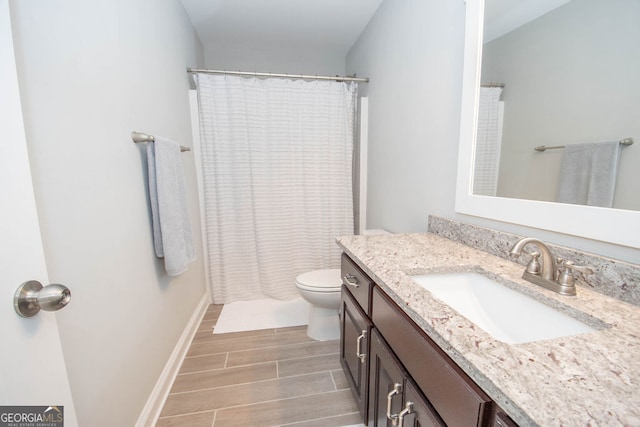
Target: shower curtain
{"x":277,"y":175}
{"x":488,"y":142}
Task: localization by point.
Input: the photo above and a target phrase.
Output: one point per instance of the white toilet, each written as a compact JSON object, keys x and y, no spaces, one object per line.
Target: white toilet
{"x":321,"y":289}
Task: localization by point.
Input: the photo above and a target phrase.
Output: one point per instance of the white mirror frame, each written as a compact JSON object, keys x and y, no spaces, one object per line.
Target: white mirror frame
{"x":616,"y":226}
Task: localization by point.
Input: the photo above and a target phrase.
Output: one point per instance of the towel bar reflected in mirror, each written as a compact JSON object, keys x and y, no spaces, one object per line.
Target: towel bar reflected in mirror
{"x":626,"y":141}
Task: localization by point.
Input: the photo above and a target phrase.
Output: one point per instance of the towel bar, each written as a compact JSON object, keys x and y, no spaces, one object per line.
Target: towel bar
{"x":626,"y":141}
{"x":143,"y":138}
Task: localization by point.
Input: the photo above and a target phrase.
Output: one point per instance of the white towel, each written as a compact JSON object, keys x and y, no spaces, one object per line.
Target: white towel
{"x":588,"y":174}
{"x":172,"y":236}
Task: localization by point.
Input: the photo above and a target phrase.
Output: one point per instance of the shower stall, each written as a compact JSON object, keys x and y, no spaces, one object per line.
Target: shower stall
{"x":276,"y":161}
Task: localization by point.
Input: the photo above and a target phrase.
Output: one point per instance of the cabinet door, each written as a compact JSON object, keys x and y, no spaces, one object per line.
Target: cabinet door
{"x":386,"y":384}
{"x":417,"y":411}
{"x":355,"y":332}
{"x":394,"y":400}
{"x":456,"y":398}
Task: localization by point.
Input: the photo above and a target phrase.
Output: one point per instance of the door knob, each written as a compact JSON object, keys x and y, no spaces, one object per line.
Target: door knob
{"x":31,"y":297}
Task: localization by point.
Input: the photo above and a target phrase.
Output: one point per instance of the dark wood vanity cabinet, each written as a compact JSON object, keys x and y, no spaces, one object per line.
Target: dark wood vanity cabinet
{"x":355,"y":331}
{"x":456,"y":398}
{"x":393,"y":395}
{"x":418,"y":411}
{"x":396,"y":372}
{"x":386,"y":382}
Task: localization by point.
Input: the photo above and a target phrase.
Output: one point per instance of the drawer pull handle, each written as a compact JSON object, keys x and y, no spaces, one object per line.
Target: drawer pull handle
{"x":351,"y":280}
{"x":361,"y":356}
{"x":397,"y":389}
{"x":408,"y":409}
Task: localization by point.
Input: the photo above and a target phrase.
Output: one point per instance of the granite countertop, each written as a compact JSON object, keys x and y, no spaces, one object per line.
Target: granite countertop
{"x":588,"y":379}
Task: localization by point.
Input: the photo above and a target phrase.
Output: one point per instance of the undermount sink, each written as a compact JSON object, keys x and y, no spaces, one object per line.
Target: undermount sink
{"x":505,"y":314}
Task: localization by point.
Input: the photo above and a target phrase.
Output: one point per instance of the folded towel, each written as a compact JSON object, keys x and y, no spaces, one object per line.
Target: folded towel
{"x":588,"y":174}
{"x":172,"y":236}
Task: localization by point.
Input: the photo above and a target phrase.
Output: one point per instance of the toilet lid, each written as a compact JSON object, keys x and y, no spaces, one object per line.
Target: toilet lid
{"x":320,"y":280}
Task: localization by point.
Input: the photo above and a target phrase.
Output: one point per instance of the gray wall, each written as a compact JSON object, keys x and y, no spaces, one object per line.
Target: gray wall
{"x":413,"y":52}
{"x":292,"y":61}
{"x":90,"y":73}
{"x":571,"y":76}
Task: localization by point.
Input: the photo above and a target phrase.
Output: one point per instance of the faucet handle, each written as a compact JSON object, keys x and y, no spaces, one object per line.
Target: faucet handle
{"x":567,"y":277}
{"x":559,"y":269}
{"x":534,"y":266}
{"x":584,"y":269}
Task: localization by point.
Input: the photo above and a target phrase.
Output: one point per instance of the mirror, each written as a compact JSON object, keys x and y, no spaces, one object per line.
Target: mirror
{"x":619,"y":226}
{"x":570,"y":69}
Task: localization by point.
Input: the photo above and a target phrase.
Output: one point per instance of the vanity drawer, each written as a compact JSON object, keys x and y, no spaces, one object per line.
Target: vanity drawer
{"x":456,"y":398}
{"x":357,"y":282}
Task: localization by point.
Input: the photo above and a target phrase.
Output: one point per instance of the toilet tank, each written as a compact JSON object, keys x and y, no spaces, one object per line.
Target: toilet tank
{"x":375,"y":231}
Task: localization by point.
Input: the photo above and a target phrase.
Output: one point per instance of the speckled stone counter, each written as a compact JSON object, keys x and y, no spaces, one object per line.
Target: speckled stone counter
{"x":588,"y":379}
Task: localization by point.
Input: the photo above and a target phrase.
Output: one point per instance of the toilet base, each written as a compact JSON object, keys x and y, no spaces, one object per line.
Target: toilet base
{"x":324,"y":324}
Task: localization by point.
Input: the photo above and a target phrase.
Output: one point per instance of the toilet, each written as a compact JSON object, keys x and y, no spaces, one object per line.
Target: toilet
{"x":321,"y":289}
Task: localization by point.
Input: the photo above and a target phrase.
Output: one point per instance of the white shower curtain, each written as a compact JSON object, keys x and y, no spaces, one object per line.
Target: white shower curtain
{"x":488,"y":142}
{"x":277,"y":177}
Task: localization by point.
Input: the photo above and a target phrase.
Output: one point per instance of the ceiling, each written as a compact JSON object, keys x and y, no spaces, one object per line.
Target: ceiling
{"x":325,"y":26}
{"x":503,"y":16}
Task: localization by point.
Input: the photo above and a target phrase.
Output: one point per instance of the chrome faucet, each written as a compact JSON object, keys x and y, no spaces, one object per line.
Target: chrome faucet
{"x":548,"y":275}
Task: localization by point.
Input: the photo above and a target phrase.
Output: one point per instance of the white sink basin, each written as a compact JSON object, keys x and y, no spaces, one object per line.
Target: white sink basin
{"x":502,"y":312}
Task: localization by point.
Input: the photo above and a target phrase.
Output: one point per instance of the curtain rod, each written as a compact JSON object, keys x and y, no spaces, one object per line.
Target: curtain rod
{"x":492,"y":85}
{"x":626,"y":141}
{"x":290,"y":76}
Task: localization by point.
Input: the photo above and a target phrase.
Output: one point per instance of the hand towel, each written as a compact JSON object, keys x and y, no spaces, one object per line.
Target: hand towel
{"x":588,"y":174}
{"x":172,"y":237}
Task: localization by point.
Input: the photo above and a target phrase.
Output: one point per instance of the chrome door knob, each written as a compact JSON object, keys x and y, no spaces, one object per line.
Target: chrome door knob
{"x":31,"y":297}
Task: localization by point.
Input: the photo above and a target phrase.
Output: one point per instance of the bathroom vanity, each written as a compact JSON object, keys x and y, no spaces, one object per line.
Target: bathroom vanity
{"x":411,"y":359}
{"x":414,"y":380}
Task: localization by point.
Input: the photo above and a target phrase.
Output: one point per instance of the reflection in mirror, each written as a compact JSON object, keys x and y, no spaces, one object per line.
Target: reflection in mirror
{"x":570,"y":77}
{"x":617,"y":226}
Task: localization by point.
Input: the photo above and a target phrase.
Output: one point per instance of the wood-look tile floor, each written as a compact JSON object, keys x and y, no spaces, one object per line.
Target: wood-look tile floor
{"x":270,"y":377}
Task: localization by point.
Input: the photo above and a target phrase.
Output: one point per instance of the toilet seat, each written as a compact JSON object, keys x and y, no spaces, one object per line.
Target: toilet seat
{"x":327,"y":280}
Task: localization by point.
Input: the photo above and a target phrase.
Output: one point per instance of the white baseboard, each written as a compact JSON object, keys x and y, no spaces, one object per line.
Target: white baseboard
{"x":159,"y":394}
